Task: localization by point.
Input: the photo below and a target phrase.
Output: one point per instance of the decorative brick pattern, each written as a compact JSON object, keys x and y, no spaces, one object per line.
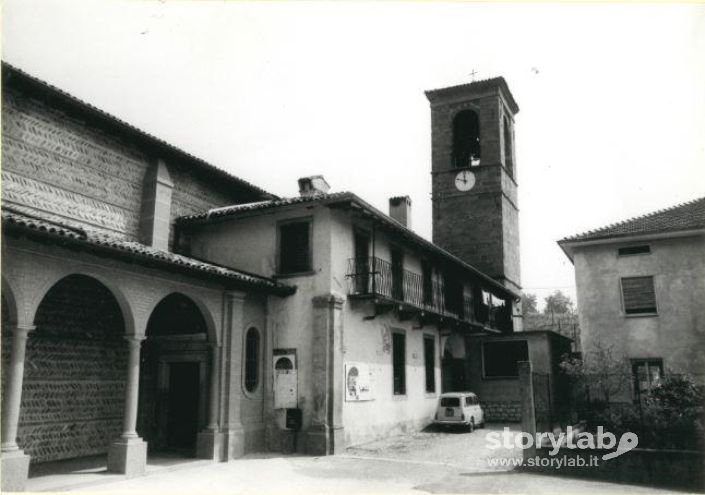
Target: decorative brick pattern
{"x":72,"y":172}
{"x":75,"y":373}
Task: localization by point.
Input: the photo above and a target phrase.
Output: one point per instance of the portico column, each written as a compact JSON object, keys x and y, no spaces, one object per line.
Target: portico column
{"x":209,"y":444}
{"x":233,"y":431}
{"x":128,"y":455}
{"x":15,"y":464}
{"x":214,"y":387}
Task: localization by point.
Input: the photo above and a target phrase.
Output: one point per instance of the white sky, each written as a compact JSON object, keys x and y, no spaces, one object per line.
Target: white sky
{"x":612,"y":121}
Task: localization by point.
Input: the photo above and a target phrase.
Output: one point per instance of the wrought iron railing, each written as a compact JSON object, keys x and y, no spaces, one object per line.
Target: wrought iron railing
{"x":379,"y":278}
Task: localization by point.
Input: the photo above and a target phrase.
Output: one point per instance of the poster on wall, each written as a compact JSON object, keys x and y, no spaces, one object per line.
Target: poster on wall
{"x":358,"y":385}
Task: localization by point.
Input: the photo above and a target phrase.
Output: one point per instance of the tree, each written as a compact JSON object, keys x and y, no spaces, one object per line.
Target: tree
{"x":602,"y":373}
{"x":528,"y":303}
{"x":558,"y":303}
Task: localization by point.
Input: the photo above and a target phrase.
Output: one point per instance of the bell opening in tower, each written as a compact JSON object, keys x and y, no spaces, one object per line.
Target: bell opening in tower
{"x":466,"y":139}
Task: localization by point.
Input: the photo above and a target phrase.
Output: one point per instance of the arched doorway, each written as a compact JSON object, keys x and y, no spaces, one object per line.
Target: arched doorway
{"x":75,"y":372}
{"x":174,"y":370}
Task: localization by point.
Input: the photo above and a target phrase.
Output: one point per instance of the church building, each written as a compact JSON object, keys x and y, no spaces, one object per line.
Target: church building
{"x":152,"y":302}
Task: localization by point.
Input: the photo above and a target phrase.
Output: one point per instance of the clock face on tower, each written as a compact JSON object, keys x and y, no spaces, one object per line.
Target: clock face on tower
{"x":465,"y":180}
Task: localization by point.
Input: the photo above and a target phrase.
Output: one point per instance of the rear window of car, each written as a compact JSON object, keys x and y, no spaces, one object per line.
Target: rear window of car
{"x":450,"y":402}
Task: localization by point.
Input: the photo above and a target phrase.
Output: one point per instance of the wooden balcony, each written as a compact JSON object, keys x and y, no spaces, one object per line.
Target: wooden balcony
{"x":411,"y":295}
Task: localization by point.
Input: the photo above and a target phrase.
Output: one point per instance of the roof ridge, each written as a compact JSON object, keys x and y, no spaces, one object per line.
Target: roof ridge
{"x":643,"y":216}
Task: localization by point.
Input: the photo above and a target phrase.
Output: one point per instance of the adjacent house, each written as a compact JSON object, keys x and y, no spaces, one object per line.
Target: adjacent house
{"x":641,"y":287}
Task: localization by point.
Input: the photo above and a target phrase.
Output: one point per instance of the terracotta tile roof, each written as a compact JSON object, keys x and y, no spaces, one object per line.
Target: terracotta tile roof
{"x":25,"y":81}
{"x":353,"y":201}
{"x":685,"y":216}
{"x":227,"y":211}
{"x":15,"y":220}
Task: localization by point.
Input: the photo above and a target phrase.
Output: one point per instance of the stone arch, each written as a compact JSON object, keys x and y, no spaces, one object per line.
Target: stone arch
{"x":175,"y":360}
{"x":75,"y":371}
{"x":203,"y":310}
{"x":9,"y":304}
{"x":104,"y":279}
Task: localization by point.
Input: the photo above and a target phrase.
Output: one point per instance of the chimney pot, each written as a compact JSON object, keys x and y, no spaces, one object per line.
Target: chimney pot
{"x":400,"y":210}
{"x":312,"y":185}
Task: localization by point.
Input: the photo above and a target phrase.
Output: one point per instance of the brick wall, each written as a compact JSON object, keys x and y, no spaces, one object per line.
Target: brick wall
{"x":480,"y":226}
{"x":75,"y":372}
{"x":71,"y":172}
{"x":5,"y":344}
{"x":502,"y":411}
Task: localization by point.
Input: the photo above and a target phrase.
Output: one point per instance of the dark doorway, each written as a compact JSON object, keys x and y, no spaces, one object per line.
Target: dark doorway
{"x":182,"y":422}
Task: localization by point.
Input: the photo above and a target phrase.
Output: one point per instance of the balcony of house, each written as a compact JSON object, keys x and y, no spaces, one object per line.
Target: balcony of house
{"x":446,"y":300}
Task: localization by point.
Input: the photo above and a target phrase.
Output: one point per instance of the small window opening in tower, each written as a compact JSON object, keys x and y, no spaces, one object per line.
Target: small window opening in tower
{"x":466,"y":139}
{"x":508,"y":158}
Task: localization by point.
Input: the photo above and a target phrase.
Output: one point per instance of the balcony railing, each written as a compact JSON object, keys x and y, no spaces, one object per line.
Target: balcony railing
{"x":380,"y":279}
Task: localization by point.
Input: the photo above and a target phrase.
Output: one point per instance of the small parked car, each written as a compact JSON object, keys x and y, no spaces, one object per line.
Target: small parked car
{"x":459,"y":409}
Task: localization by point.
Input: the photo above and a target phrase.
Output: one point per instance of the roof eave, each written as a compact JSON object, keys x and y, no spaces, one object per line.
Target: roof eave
{"x":116,"y":253}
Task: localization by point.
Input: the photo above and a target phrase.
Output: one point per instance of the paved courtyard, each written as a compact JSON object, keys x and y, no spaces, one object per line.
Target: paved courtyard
{"x":424,"y":462}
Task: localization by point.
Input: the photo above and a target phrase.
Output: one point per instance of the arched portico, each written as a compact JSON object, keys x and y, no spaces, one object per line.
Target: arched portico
{"x":74,"y":389}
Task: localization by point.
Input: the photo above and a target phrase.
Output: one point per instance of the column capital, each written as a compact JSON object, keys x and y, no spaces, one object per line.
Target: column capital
{"x":331,"y":300}
{"x":235,"y":295}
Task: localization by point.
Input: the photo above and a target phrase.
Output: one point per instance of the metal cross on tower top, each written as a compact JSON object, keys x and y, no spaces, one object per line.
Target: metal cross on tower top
{"x":472,"y":75}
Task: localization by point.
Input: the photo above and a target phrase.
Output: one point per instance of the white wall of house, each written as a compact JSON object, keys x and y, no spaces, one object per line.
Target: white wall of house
{"x":676,"y":333}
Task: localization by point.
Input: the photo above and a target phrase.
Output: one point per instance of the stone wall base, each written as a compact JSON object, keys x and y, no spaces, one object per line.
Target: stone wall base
{"x":211,"y":445}
{"x":128,"y":457}
{"x":324,"y":440}
{"x":15,"y":469}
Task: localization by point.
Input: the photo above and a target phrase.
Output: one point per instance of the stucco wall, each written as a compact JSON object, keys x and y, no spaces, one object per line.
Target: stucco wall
{"x":677,"y":333}
{"x":370,"y":341}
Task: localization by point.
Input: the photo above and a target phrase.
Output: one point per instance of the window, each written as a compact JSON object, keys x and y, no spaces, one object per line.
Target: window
{"x":638,"y":295}
{"x":429,"y":355}
{"x":251,"y":359}
{"x":508,"y":158}
{"x":295,"y":247}
{"x":466,"y":139}
{"x":450,"y":402}
{"x":362,"y":262}
{"x":427,"y":275}
{"x":399,"y":363}
{"x":631,"y":250}
{"x":397,"y":274}
{"x":500,"y":358}
{"x":646,"y":373}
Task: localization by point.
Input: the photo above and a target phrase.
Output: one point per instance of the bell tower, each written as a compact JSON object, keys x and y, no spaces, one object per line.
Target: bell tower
{"x":474,"y":191}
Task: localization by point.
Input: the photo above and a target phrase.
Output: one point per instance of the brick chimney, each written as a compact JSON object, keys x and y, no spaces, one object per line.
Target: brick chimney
{"x":400,"y":210}
{"x":312,"y":185}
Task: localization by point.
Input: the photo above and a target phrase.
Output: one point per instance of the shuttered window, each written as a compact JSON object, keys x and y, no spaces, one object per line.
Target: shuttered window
{"x":638,"y":295}
{"x":294,"y":247}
